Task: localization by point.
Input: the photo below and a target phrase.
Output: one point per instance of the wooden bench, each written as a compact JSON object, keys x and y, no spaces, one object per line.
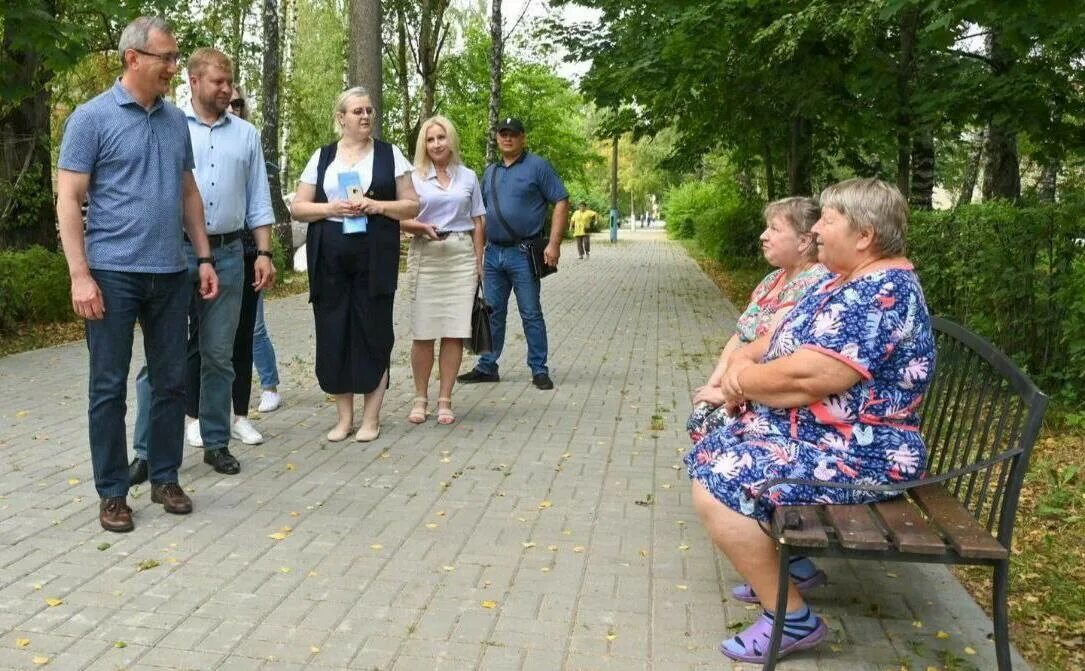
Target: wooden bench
{"x":979,"y":420}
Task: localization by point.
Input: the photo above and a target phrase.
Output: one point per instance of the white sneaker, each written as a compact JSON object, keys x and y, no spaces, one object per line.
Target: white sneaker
{"x":269,"y":400}
{"x":192,"y":434}
{"x":244,"y":431}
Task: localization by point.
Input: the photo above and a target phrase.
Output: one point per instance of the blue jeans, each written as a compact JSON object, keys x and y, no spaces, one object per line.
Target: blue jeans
{"x":211,"y":337}
{"x":506,"y":269}
{"x":157,"y":302}
{"x":263,"y":352}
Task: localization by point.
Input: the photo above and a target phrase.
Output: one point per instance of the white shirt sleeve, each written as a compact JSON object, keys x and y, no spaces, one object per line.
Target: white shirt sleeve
{"x":308,"y":175}
{"x":403,"y":166}
{"x":478,"y":208}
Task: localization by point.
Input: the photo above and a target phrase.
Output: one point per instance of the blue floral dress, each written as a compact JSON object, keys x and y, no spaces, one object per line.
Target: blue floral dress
{"x":877,"y":324}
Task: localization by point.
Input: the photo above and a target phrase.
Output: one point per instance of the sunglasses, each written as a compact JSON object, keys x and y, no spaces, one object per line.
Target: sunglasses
{"x":238,"y":104}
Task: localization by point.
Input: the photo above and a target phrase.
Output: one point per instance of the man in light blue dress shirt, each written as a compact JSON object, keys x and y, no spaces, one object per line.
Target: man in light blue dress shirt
{"x":232,"y":177}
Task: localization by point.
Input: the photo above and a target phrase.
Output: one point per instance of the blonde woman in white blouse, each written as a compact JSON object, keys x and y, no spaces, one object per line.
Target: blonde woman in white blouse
{"x":444,"y":262}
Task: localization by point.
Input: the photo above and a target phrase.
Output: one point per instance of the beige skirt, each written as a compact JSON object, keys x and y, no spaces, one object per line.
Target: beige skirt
{"x":441,"y":285}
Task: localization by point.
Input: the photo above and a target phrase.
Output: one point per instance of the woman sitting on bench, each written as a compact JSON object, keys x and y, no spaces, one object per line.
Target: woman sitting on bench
{"x":830,"y":395}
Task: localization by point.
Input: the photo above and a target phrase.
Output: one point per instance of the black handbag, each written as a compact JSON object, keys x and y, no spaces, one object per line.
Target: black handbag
{"x":482,"y":339}
{"x":532,"y":247}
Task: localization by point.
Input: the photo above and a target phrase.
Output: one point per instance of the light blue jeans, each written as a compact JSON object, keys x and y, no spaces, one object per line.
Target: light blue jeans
{"x":263,"y":352}
{"x":215,"y":327}
{"x":505,"y":270}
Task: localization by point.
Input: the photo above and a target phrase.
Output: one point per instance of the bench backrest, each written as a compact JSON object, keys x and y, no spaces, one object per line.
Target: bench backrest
{"x":980,"y":405}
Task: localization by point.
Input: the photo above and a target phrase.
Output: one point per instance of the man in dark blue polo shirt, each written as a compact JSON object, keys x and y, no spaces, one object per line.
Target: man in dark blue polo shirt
{"x":517,"y":189}
{"x":127,"y":151}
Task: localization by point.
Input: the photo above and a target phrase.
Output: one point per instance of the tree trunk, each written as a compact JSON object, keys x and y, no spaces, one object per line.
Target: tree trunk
{"x":431,"y":37}
{"x":614,"y":174}
{"x":26,"y":185}
{"x":364,"y":53}
{"x":800,"y":157}
{"x":972,"y":170}
{"x":402,"y":76}
{"x":1002,"y":172}
{"x":770,"y":175}
{"x":922,"y":178}
{"x":1049,"y":180}
{"x":905,"y":74}
{"x":269,"y":135}
{"x":497,"y":48}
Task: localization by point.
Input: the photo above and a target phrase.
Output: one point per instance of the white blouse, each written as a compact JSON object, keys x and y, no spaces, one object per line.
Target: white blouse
{"x":364,"y":168}
{"x":450,"y":209}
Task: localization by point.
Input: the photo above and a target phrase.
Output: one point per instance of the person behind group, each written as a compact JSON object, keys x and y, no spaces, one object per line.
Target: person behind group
{"x":353,"y":275}
{"x":517,"y":189}
{"x":259,"y":350}
{"x":233,"y":184}
{"x":830,"y":396}
{"x":128,"y":150}
{"x":581,"y":223}
{"x":787,"y":244}
{"x":444,"y":261}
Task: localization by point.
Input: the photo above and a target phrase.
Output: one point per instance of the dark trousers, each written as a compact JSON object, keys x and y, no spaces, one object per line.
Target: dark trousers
{"x":583,"y":245}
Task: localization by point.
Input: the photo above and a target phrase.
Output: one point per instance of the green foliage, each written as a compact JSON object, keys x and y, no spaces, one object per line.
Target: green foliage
{"x":34,"y":288}
{"x":1014,"y":275}
{"x":715,"y":215}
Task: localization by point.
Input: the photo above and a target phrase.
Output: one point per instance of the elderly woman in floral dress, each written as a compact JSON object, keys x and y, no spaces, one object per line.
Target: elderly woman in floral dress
{"x":831,"y":395}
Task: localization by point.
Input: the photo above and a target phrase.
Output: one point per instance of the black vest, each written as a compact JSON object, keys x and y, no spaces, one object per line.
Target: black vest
{"x":383,"y":232}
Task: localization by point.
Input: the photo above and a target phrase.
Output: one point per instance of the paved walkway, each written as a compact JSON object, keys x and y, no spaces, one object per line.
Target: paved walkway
{"x":544,"y":531}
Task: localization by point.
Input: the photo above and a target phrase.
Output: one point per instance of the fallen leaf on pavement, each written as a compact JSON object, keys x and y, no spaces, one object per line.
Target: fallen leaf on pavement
{"x":53,"y":602}
{"x":22,"y":642}
{"x":489,"y":604}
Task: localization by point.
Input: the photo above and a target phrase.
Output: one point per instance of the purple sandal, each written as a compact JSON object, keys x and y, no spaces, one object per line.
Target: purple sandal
{"x":746,"y":594}
{"x":754,"y":640}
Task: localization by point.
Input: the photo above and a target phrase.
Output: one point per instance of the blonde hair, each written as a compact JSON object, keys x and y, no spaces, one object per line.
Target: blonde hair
{"x":422,"y":163}
{"x":205,"y":56}
{"x":801,"y":212}
{"x":871,"y":204}
{"x":341,"y":104}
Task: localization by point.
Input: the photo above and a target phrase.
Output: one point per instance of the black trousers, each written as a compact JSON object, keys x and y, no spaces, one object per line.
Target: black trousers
{"x":242,"y":356}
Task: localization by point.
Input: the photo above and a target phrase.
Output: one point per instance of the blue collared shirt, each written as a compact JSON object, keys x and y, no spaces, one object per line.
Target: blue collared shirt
{"x":136,"y":159}
{"x":231,"y":174}
{"x":523,"y":191}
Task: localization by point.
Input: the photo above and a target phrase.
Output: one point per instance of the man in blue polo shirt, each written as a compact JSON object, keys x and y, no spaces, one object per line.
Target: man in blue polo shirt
{"x":517,"y":189}
{"x":127,"y":151}
{"x":232,"y":177}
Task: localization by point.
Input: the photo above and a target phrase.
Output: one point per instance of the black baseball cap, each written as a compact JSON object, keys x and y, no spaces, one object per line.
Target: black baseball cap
{"x":511,"y":123}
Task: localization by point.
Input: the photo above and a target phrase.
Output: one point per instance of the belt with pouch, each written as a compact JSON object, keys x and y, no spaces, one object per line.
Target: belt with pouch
{"x":511,"y":243}
{"x":219,"y":239}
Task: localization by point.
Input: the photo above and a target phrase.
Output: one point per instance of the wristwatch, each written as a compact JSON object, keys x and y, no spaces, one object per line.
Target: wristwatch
{"x":200,"y":260}
{"x":264,"y":252}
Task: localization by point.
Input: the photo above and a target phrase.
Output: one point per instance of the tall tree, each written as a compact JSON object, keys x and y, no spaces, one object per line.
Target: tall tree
{"x":364,"y":53}
{"x":269,"y":133}
{"x":497,"y":50}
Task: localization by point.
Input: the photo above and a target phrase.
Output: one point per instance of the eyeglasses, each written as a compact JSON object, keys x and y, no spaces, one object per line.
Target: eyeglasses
{"x":238,"y":104}
{"x":167,"y":59}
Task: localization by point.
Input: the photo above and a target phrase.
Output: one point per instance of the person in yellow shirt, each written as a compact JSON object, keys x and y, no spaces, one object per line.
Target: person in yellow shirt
{"x":581,"y":222}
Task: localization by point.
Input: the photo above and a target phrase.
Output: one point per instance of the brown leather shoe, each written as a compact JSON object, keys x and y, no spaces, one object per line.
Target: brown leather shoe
{"x":172,"y":497}
{"x":114,"y":514}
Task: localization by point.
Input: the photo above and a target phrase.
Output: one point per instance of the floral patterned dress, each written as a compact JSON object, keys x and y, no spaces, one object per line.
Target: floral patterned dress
{"x":878,"y":325}
{"x":755,"y":322}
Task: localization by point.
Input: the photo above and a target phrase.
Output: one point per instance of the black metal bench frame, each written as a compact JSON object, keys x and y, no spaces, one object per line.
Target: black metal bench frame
{"x":979,"y":419}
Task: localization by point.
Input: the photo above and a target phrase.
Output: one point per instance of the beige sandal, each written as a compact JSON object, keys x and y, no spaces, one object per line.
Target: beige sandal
{"x":445,"y":414}
{"x":418,"y":411}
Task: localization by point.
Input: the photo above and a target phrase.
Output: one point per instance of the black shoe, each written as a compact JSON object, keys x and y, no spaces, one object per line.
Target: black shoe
{"x":137,"y":471}
{"x":542,"y":381}
{"x":222,"y":461}
{"x":476,"y":375}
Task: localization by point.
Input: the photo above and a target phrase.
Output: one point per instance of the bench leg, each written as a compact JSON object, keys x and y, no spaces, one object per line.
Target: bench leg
{"x":781,"y":609}
{"x":1001,"y":585}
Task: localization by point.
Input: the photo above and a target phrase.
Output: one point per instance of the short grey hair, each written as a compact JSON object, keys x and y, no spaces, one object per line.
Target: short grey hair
{"x":341,"y":104}
{"x":137,"y":33}
{"x":871,"y":204}
{"x":802,"y":212}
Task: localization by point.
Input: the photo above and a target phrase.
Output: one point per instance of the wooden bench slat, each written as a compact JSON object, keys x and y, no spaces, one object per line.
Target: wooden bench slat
{"x":963,"y":533}
{"x":907,"y":528}
{"x":855,"y":528}
{"x":810,"y":535}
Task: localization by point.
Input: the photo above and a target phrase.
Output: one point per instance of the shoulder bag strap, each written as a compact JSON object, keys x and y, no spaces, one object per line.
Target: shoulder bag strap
{"x":497,"y":206}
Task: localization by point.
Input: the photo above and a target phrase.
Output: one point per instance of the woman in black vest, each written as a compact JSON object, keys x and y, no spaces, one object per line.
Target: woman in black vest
{"x":354,"y":192}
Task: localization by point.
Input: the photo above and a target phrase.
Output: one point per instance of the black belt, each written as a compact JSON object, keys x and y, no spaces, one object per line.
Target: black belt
{"x":220,"y":239}
{"x":511,"y":243}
